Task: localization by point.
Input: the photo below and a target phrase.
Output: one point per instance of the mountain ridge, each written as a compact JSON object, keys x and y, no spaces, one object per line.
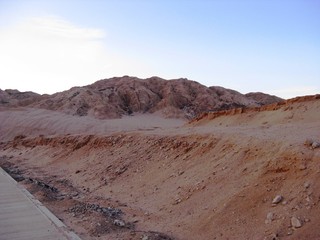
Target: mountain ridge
{"x":119,"y":96}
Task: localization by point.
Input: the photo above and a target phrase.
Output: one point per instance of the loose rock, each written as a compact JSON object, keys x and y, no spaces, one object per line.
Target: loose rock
{"x":277,"y":199}
{"x":290,"y":232}
{"x":303,"y":166}
{"x":270,"y":217}
{"x":119,"y":223}
{"x":306,"y":185}
{"x":308,"y":142}
{"x":315,"y":145}
{"x":295,"y":222}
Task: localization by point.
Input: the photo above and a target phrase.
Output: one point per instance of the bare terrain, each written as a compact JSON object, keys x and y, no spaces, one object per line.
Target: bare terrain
{"x":251,"y":172}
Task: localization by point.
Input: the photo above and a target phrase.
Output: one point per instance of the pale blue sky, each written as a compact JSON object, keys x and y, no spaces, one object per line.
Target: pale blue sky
{"x":271,"y":46}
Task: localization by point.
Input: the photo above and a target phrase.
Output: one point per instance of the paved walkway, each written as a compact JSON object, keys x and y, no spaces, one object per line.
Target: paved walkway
{"x":22,"y":217}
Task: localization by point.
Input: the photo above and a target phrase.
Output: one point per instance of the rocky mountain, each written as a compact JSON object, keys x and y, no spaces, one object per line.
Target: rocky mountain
{"x":118,"y":96}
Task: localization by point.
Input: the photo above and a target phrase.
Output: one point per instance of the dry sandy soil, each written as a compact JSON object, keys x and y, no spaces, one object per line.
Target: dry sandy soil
{"x":145,"y":177}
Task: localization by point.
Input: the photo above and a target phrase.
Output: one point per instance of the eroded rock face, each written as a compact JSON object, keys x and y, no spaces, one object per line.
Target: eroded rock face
{"x":115,"y":97}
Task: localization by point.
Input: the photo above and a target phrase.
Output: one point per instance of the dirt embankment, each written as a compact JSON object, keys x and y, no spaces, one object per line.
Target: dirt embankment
{"x":197,"y":186}
{"x":284,"y":105}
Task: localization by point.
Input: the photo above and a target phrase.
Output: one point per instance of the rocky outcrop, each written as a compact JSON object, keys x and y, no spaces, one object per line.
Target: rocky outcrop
{"x":263,"y":98}
{"x":115,"y":97}
{"x":14,"y":98}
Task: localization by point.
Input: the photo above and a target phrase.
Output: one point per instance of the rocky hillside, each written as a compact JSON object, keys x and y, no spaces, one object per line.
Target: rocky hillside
{"x":15,"y":98}
{"x":115,"y":97}
{"x":263,"y":98}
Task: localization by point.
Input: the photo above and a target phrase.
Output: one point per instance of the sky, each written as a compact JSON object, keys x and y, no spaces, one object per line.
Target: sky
{"x":270,"y":46}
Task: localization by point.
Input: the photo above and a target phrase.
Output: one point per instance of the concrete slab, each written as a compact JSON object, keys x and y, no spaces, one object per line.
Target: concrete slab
{"x":22,"y":217}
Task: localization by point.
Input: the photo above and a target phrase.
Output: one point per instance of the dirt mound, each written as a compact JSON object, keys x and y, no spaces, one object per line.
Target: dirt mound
{"x":249,"y":175}
{"x":116,"y":97}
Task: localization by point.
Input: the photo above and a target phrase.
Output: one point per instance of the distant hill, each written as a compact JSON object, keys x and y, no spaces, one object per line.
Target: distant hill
{"x":14,"y":98}
{"x":118,"y":96}
{"x":262,"y":98}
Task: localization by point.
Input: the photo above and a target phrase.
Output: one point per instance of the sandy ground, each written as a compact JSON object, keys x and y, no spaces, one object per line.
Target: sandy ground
{"x":34,"y":122}
{"x":215,"y":178}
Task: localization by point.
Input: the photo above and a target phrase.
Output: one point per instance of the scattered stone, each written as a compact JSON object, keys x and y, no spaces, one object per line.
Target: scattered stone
{"x":308,"y":199}
{"x":119,"y":223}
{"x":295,"y":222}
{"x":273,"y":236}
{"x":42,"y":184}
{"x":306,"y":185}
{"x":270,"y":218}
{"x":312,"y":144}
{"x":60,"y":197}
{"x":308,"y":142}
{"x":277,"y":199}
{"x":303,"y":166}
{"x":111,"y":212}
{"x":315,"y":145}
{"x":75,"y":194}
{"x":121,"y":170}
{"x":82,"y":208}
{"x":145,"y":237}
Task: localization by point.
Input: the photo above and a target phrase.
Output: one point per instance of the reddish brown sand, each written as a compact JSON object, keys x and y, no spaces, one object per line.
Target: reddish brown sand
{"x":214,"y":178}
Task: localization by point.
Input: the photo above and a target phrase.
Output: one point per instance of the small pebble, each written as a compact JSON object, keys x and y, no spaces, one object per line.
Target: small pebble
{"x":306,"y":185}
{"x":277,"y":199}
{"x":270,"y":217}
{"x":315,"y":145}
{"x":295,"y":222}
{"x":119,"y":223}
{"x":303,"y":166}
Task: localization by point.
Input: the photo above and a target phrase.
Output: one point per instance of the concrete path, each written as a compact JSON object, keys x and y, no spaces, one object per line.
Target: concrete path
{"x":22,"y":217}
